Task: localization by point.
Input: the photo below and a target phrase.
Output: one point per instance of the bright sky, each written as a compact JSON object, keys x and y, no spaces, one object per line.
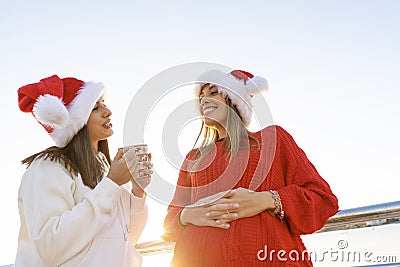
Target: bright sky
{"x":333,"y":68}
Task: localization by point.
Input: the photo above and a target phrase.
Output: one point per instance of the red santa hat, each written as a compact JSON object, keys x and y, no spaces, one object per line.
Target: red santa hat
{"x":240,"y":86}
{"x":61,"y":106}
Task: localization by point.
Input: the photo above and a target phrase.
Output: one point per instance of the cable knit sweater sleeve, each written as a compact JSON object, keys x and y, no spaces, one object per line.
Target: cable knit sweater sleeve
{"x":182,"y":198}
{"x":58,"y":226}
{"x":306,"y":197}
{"x":139,"y":215}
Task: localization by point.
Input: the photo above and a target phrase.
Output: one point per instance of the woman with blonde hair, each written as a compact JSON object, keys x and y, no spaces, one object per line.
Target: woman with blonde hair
{"x":239,"y":192}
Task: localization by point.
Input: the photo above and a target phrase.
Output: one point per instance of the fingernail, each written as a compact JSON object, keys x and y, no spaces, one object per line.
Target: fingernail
{"x":218,"y":221}
{"x":207,"y":214}
{"x":236,"y":205}
{"x":234,"y":215}
{"x":227,"y":226}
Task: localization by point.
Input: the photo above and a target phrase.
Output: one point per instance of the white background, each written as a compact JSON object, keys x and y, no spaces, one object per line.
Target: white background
{"x":333,"y":68}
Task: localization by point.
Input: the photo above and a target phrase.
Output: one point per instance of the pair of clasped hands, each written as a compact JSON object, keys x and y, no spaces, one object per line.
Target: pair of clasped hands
{"x":126,"y":167}
{"x":224,"y":207}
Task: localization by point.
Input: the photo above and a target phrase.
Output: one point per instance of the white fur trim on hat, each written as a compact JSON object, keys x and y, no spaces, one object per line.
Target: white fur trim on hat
{"x":79,"y":111}
{"x":238,"y":91}
{"x":50,"y":111}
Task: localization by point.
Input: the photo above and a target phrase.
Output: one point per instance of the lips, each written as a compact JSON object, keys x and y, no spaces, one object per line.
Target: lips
{"x":207,"y":110}
{"x":107,"y":125}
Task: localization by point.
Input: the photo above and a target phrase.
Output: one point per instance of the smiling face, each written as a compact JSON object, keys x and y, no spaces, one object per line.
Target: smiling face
{"x":99,"y":123}
{"x":213,"y":108}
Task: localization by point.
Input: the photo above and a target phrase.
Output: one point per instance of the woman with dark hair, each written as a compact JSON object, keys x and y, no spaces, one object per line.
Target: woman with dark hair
{"x":73,"y":208}
{"x":243,"y":198}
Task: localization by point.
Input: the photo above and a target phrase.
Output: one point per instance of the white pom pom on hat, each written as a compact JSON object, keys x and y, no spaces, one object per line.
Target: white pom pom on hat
{"x":261,"y":83}
{"x":50,"y":110}
{"x":240,"y":86}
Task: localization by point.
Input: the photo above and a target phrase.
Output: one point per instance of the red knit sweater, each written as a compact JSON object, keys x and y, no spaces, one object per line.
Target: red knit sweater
{"x":277,"y":164}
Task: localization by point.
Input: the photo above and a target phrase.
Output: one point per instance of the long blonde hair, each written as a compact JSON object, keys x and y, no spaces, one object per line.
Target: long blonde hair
{"x":238,"y":136}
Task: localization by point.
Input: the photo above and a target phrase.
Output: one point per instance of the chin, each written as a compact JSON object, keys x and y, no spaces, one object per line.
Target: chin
{"x":108,"y":134}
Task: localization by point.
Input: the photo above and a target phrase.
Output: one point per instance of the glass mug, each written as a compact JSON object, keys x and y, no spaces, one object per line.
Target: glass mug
{"x":143,"y":157}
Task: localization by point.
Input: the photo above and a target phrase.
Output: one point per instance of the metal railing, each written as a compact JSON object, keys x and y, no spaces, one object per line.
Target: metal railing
{"x":362,"y":217}
{"x":374,"y":215}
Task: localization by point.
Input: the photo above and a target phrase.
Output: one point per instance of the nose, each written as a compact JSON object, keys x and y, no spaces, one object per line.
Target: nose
{"x":107,"y":112}
{"x":204,"y":100}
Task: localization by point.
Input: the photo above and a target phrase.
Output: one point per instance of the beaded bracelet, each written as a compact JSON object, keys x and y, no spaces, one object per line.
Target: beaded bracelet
{"x":278,"y":212}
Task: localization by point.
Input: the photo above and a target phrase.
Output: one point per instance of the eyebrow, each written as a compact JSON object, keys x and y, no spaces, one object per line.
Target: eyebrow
{"x":211,"y":86}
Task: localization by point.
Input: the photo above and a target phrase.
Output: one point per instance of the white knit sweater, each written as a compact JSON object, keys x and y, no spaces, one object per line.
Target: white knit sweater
{"x":65,"y":223}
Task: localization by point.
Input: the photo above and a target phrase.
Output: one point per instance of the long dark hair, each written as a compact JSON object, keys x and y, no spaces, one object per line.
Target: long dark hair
{"x":78,"y":156}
